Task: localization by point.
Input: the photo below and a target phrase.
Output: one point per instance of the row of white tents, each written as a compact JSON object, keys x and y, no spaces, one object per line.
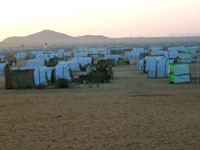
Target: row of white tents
{"x":156,"y":67}
{"x":159,"y":65}
{"x":43,"y":74}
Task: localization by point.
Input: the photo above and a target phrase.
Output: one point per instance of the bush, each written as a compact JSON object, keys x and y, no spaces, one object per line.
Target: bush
{"x":62,"y":83}
{"x":40,"y":86}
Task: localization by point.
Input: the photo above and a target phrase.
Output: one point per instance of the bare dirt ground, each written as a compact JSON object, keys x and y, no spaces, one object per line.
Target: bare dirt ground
{"x":131,"y":113}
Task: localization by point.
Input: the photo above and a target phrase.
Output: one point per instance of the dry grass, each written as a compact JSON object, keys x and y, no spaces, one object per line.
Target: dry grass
{"x":130,"y":113}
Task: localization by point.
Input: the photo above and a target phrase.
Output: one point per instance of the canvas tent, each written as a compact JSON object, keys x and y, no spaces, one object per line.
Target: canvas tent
{"x":40,"y":76}
{"x":83,"y":60}
{"x":21,"y":55}
{"x":149,"y":59}
{"x":80,"y":54}
{"x":172,"y":54}
{"x":34,"y":63}
{"x":159,"y":68}
{"x":115,"y":57}
{"x":179,"y":73}
{"x":73,"y":65}
{"x":184,"y":58}
{"x":68,"y":54}
{"x":141,"y":65}
{"x":2,"y":65}
{"x":2,"y":58}
{"x":62,"y":71}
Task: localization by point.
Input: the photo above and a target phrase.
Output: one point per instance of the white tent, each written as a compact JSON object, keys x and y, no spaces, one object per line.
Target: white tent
{"x":181,"y":73}
{"x":2,"y":65}
{"x":2,"y":58}
{"x":148,"y":59}
{"x":34,"y":63}
{"x":74,"y":65}
{"x":67,"y":54}
{"x":80,"y":54}
{"x":21,"y":55}
{"x":83,"y":60}
{"x":159,"y":68}
{"x":141,"y":65}
{"x":115,"y":57}
{"x":49,"y":71}
{"x":62,"y":71}
{"x":40,"y":76}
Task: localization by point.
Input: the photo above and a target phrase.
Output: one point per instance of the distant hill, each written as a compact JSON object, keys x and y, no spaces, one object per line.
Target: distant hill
{"x":184,"y":35}
{"x":54,"y":39}
{"x":51,"y":38}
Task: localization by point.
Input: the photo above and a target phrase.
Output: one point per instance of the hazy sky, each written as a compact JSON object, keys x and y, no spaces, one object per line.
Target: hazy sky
{"x":113,"y":18}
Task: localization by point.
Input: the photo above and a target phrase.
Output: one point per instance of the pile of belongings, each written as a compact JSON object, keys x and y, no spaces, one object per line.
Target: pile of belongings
{"x":123,"y":61}
{"x":110,"y":57}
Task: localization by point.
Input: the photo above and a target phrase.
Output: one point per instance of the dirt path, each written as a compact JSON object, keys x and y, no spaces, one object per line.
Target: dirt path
{"x":131,"y":113}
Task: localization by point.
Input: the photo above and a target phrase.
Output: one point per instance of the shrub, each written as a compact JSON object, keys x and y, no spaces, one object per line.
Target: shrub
{"x":62,"y":83}
{"x":40,"y":86}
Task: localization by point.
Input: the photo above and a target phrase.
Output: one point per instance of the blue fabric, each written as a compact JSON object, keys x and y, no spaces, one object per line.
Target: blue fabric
{"x":162,"y":68}
{"x":80,"y":54}
{"x":141,"y":65}
{"x":2,"y":65}
{"x":62,"y":71}
{"x":34,"y":63}
{"x":21,"y":55}
{"x":83,"y":60}
{"x":40,"y":76}
{"x":152,"y":73}
{"x":181,"y":69}
{"x":49,"y":71}
{"x":182,"y":79}
{"x":149,"y":59}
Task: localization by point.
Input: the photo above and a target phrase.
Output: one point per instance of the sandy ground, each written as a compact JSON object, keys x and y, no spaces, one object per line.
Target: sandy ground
{"x":131,"y":113}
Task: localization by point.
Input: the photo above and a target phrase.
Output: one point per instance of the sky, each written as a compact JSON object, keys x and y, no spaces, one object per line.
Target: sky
{"x":112,"y":18}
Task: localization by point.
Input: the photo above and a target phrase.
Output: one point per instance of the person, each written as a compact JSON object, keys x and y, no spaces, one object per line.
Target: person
{"x":15,"y":61}
{"x":88,"y":69}
{"x":80,"y":67}
{"x":53,"y":76}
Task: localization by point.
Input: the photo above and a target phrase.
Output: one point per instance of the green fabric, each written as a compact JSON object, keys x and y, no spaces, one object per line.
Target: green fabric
{"x":171,"y":76}
{"x":171,"y":68}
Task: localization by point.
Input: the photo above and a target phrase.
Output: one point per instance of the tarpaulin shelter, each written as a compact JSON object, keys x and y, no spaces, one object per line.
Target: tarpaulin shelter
{"x":2,"y":65}
{"x":17,"y":78}
{"x":21,"y":55}
{"x":34,"y":63}
{"x":115,"y":57}
{"x":159,"y":68}
{"x":83,"y":60}
{"x":179,"y":73}
{"x":184,"y":58}
{"x":62,"y":71}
